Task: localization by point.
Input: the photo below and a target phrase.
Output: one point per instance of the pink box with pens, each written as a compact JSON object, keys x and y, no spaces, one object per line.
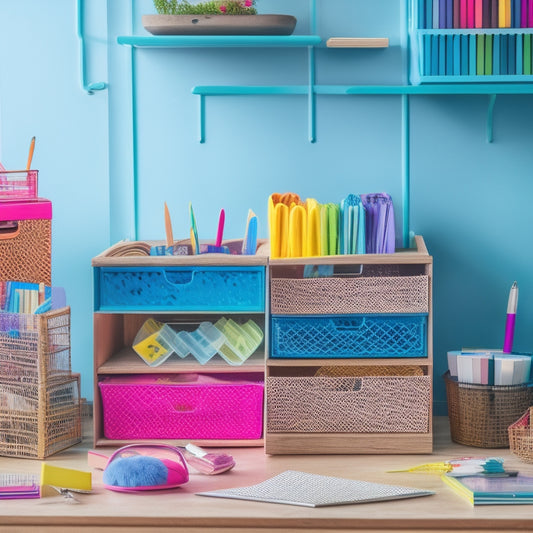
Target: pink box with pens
{"x":18,"y":185}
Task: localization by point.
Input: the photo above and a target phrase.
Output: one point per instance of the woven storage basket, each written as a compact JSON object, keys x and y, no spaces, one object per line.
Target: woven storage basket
{"x":27,"y":256}
{"x":37,"y":421}
{"x":35,"y":348}
{"x":480,"y":415}
{"x":337,"y":295}
{"x":348,"y":404}
{"x":521,"y":437}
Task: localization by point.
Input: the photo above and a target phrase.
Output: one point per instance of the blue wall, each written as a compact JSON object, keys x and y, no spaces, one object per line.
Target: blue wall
{"x":469,"y":198}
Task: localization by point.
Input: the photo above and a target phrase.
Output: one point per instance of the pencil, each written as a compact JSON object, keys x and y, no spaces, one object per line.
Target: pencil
{"x":30,"y":155}
{"x":168,"y":228}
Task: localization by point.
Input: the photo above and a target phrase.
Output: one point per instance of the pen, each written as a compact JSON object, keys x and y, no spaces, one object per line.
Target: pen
{"x":511,"y":316}
{"x":220,"y":231}
{"x":30,"y":155}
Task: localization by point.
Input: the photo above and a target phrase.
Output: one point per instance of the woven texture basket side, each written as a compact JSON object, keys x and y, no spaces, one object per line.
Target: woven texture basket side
{"x":375,"y":370}
{"x":38,"y":421}
{"x":480,"y":415}
{"x":27,"y":257}
{"x":404,"y":294}
{"x":348,"y":404}
{"x":40,"y":352}
{"x":521,"y":437}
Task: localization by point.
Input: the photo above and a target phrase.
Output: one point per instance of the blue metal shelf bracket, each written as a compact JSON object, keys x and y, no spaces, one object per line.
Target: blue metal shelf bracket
{"x":311,"y":74}
{"x":89,"y":88}
{"x":490,"y":117}
{"x":406,"y":181}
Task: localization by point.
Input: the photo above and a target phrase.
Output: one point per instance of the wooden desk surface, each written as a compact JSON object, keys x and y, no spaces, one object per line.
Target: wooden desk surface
{"x":182,"y":510}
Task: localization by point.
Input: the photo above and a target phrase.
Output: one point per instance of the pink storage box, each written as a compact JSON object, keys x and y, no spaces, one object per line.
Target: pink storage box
{"x":17,"y":185}
{"x":183,"y":406}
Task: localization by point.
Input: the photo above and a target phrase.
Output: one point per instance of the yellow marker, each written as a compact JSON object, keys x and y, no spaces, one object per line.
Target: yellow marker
{"x":429,"y":468}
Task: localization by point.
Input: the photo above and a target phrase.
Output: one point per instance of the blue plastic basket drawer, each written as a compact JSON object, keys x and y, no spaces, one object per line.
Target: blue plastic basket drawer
{"x":180,"y":289}
{"x":349,"y":336}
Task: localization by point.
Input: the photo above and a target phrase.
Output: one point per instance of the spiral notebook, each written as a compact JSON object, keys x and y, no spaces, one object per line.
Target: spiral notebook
{"x":313,"y":490}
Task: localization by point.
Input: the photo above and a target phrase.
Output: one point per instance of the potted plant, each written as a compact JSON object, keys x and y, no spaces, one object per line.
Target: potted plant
{"x":215,"y":17}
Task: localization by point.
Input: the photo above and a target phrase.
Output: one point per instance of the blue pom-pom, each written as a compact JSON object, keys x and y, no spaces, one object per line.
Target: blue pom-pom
{"x":136,"y":471}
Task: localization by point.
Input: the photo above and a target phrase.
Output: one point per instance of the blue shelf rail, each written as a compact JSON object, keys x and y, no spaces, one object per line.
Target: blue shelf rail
{"x":89,"y":88}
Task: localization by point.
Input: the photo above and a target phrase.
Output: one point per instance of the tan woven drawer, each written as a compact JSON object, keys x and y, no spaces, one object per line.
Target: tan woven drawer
{"x":369,"y":404}
{"x":338,"y":295}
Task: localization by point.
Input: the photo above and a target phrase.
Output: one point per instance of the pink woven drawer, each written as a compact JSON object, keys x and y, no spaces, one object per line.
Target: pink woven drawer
{"x":183,"y":406}
{"x":369,"y":404}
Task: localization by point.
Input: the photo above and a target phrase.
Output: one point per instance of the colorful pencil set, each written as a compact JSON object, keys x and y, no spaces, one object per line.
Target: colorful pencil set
{"x":476,"y":54}
{"x":457,"y":14}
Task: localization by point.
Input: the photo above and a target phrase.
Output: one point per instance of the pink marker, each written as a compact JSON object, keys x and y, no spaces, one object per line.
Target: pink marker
{"x":220,"y":231}
{"x":511,"y":317}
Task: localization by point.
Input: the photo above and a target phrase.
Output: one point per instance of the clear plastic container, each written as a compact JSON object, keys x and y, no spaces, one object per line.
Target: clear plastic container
{"x":152,"y":342}
{"x":241,"y":340}
{"x":203,"y":343}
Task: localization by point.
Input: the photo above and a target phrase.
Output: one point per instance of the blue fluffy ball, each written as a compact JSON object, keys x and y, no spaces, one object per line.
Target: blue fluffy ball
{"x":136,"y":471}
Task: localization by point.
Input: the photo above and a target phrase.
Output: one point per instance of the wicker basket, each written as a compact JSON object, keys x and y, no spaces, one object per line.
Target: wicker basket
{"x":521,"y":437}
{"x":37,"y":421}
{"x":40,"y":411}
{"x":480,"y":415}
{"x":35,"y":348}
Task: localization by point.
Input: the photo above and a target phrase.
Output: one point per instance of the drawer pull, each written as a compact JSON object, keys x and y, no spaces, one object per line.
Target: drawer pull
{"x":177,"y":277}
{"x":9,"y":229}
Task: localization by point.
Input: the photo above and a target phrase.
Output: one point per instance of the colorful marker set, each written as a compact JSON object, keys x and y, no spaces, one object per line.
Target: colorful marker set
{"x":248,"y":246}
{"x":357,"y":225}
{"x":22,"y":297}
{"x":494,"y":367}
{"x":454,"y":14}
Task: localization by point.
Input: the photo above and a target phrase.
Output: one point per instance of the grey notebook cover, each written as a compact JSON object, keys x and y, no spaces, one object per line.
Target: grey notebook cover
{"x":313,"y":490}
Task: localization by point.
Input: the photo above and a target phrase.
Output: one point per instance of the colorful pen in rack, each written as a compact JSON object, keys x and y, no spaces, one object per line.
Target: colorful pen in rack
{"x":358,"y":224}
{"x":248,"y":246}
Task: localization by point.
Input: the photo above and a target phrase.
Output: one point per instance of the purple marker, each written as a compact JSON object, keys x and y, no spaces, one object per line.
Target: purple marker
{"x":511,"y":316}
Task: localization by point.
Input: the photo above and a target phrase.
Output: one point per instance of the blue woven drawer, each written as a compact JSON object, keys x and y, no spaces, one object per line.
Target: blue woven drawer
{"x":349,"y":336}
{"x":180,"y":289}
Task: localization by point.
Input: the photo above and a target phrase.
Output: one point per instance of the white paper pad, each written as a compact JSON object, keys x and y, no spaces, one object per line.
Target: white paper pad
{"x":313,"y":490}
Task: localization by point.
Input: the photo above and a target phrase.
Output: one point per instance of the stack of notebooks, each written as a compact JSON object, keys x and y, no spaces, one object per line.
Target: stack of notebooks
{"x":490,"y":367}
{"x":456,"y":14}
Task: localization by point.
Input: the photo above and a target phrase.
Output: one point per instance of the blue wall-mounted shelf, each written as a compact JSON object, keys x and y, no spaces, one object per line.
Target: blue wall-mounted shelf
{"x":218,"y":41}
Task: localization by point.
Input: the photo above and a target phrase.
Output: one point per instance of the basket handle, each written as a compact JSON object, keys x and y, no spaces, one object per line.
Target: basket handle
{"x":9,"y":229}
{"x":186,"y":277}
{"x":356,"y":324}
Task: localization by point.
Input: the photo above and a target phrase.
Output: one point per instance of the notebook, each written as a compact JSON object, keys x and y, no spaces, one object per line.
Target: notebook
{"x":486,"y":490}
{"x":313,"y":490}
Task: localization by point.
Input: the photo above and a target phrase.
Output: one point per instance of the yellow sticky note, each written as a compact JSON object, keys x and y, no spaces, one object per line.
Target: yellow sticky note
{"x":65,"y":478}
